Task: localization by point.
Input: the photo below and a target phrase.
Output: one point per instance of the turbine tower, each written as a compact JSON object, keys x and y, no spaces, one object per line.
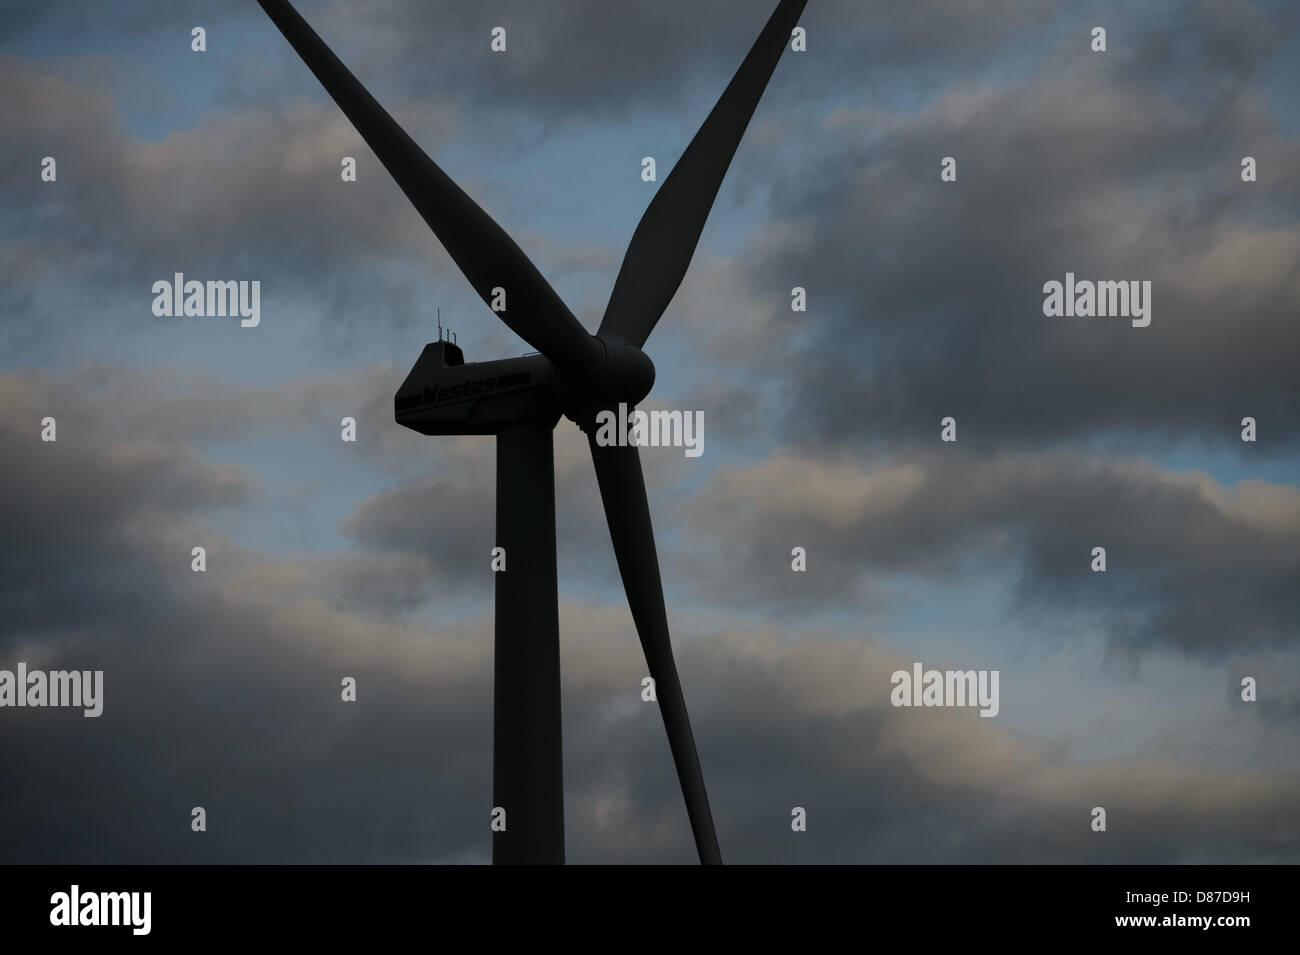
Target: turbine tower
{"x":520,"y":401}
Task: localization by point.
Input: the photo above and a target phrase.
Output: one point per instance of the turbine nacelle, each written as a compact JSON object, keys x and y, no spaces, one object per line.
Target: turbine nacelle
{"x":443,"y":394}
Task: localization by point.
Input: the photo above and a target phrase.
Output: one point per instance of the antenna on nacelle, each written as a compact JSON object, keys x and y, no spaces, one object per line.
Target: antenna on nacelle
{"x":450,"y":335}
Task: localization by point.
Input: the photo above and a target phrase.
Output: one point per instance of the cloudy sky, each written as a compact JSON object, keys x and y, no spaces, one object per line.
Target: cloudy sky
{"x":328,"y":559}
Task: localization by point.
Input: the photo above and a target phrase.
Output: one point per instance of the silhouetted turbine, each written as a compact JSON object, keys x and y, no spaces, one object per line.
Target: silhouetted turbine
{"x":520,"y":400}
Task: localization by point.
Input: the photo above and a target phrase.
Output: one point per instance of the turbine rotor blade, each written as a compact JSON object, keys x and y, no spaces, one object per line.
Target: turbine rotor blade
{"x":666,"y":237}
{"x":482,"y":250}
{"x":622,"y":490}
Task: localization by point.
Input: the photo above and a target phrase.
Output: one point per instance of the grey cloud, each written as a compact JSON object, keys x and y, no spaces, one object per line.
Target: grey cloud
{"x":222,"y":692}
{"x":223,"y":688}
{"x":233,"y":193}
{"x":1190,"y":564}
{"x":256,"y":734}
{"x":233,"y":197}
{"x":80,"y":502}
{"x":595,"y":59}
{"x":92,"y":18}
{"x":926,"y":297}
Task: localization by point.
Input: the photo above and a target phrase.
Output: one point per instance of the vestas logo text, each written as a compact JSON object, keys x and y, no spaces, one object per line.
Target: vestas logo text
{"x":469,"y":389}
{"x":460,"y":392}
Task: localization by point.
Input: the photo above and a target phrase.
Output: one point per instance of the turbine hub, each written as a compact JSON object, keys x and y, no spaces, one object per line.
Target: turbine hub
{"x":624,"y":375}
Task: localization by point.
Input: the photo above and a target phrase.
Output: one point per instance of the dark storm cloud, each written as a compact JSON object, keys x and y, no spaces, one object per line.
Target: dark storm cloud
{"x":222,"y":689}
{"x":819,"y":716}
{"x":94,"y":18}
{"x":49,"y":27}
{"x":254,"y":188}
{"x":96,"y":575}
{"x":1190,"y":564}
{"x":245,"y":662}
{"x":253,"y":192}
{"x":125,"y":466}
{"x":181,"y":409}
{"x":1279,"y":708}
{"x":925,"y":297}
{"x":79,"y":505}
{"x":586,"y":58}
{"x":593,"y":59}
{"x":447,"y":520}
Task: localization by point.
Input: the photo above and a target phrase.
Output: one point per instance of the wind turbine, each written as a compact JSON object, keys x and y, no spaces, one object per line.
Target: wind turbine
{"x":520,"y":401}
